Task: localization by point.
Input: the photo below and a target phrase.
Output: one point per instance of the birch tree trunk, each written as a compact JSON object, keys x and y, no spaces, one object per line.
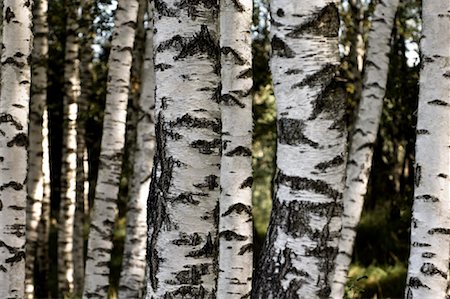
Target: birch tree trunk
{"x":105,"y":202}
{"x":35,"y":180}
{"x":235,"y":208}
{"x":298,"y":254}
{"x":134,"y":255}
{"x":364,"y":135}
{"x":429,"y":255}
{"x":184,"y":192}
{"x":69,"y":153}
{"x":14,"y":105}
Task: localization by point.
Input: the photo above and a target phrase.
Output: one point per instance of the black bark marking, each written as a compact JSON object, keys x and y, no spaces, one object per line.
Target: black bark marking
{"x":427,"y":198}
{"x":280,"y":12}
{"x":12,"y":184}
{"x":247,"y":183}
{"x":246,"y":248}
{"x":291,"y":132}
{"x":16,"y":208}
{"x":202,"y":42}
{"x":3,"y":269}
{"x":210,"y":182}
{"x":336,"y":161}
{"x":1,"y":205}
{"x":162,"y":9}
{"x":248,"y":73}
{"x":438,"y":103}
{"x":186,"y":198}
{"x":428,"y":255}
{"x":366,"y":145}
{"x":207,"y":147}
{"x":321,"y":77}
{"x":17,"y":230}
{"x":9,"y":14}
{"x":8,"y":118}
{"x":431,"y":270}
{"x":230,"y":100}
{"x":17,"y":257}
{"x":195,"y":122}
{"x":439,"y":230}
{"x":237,"y":57}
{"x":418,"y":175}
{"x":418,"y":244}
{"x":443,"y":175}
{"x":190,"y":240}
{"x":423,"y":132}
{"x":163,"y":66}
{"x":206,"y":251}
{"x":415,"y":283}
{"x":231,"y":236}
{"x":324,"y":23}
{"x":191,"y":7}
{"x":316,"y":186}
{"x":20,"y":140}
{"x":280,"y":48}
{"x":11,"y":60}
{"x":238,"y":208}
{"x":239,"y":151}
{"x":239,"y":7}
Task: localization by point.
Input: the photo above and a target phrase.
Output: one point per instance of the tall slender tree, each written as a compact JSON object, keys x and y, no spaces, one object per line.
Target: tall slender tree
{"x":364,"y":135}
{"x":134,"y":255}
{"x":430,"y":227}
{"x":235,"y":208}
{"x":14,"y":105}
{"x":298,"y":255}
{"x":96,"y":282}
{"x":184,"y":192}
{"x":35,"y":180}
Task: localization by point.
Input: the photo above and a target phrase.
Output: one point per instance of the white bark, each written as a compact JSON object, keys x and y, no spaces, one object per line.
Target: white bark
{"x":105,"y":202}
{"x":184,"y":192}
{"x":14,"y":104}
{"x":298,"y":255}
{"x":69,"y":156}
{"x":364,"y":136}
{"x":134,"y":255}
{"x":235,"y":205}
{"x":430,"y":228}
{"x":35,"y":180}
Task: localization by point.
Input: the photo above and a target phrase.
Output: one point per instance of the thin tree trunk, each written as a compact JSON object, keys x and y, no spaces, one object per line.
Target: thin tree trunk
{"x":35,"y":180}
{"x":105,"y":202}
{"x":430,"y":244}
{"x":69,"y":153}
{"x":184,"y":192}
{"x":364,"y":136}
{"x":134,"y":255}
{"x":14,"y":105}
{"x":235,"y":208}
{"x":298,"y":255}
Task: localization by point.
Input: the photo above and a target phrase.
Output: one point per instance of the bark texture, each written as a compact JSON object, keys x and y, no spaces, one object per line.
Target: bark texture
{"x":364,"y":136}
{"x":235,"y":222}
{"x":14,"y":111}
{"x":184,"y":192}
{"x":298,"y":255}
{"x":134,"y":256}
{"x":104,"y":212}
{"x":69,"y":156}
{"x":35,"y":180}
{"x":430,"y":227}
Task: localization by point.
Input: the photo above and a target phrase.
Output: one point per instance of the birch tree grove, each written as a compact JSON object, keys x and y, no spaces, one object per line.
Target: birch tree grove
{"x":430,"y":227}
{"x":235,"y":208}
{"x":35,"y":180}
{"x":14,"y":105}
{"x":364,"y":135}
{"x":184,"y":192}
{"x":298,"y":254}
{"x":134,"y":256}
{"x":96,"y":282}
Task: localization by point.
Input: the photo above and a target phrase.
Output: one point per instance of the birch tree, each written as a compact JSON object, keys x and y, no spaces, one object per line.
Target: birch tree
{"x":105,"y":202}
{"x":14,"y":105}
{"x":35,"y":180}
{"x":298,"y":254}
{"x":364,"y":135}
{"x":235,"y":208}
{"x":69,"y":152}
{"x":430,"y":227}
{"x":184,"y":192}
{"x":134,"y":255}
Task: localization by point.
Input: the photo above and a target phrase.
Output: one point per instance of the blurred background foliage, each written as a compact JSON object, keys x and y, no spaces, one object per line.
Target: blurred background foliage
{"x":381,"y":251}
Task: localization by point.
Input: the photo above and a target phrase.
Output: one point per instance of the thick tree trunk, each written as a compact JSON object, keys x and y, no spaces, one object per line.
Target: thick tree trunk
{"x":14,"y":105}
{"x":430,"y":228}
{"x":69,"y":156}
{"x":35,"y":180}
{"x":184,"y":192}
{"x":298,"y":255}
{"x":235,"y":208}
{"x":105,"y":202}
{"x":364,"y":136}
{"x":134,"y":255}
